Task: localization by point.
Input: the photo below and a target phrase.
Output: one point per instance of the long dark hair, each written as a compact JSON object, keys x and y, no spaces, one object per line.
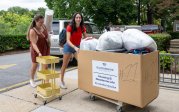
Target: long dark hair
{"x":73,"y":23}
{"x":33,"y":23}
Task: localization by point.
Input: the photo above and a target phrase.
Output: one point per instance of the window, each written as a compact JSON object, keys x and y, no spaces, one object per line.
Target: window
{"x":177,"y":27}
{"x":150,"y":27}
{"x":55,"y":27}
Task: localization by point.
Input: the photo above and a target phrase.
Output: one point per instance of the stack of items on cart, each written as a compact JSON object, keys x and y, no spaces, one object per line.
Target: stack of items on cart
{"x":120,"y":67}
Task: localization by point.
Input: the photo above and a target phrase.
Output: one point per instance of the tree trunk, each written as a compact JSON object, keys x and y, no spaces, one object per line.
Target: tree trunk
{"x":149,"y":14}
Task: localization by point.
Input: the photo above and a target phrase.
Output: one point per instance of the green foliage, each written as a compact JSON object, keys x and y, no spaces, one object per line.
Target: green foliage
{"x":11,"y":42}
{"x":174,"y":35}
{"x":162,"y":40}
{"x":18,"y":10}
{"x":40,"y":11}
{"x":66,"y":8}
{"x":165,"y":60}
{"x":11,"y":23}
{"x":114,"y":11}
{"x":101,"y":12}
{"x":13,"y":27}
{"x":167,"y":10}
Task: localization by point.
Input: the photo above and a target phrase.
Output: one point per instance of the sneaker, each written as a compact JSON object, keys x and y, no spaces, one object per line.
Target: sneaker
{"x":62,"y":85}
{"x":32,"y":83}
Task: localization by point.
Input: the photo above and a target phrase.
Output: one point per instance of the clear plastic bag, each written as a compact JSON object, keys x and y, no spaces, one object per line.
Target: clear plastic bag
{"x":110,"y":41}
{"x":135,"y":39}
{"x":89,"y":44}
{"x":48,"y":19}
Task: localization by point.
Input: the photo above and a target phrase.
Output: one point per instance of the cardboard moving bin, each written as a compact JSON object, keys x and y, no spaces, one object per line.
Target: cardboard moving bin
{"x":129,"y":78}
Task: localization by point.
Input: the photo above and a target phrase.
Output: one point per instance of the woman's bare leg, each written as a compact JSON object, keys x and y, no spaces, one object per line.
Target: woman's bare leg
{"x":33,"y":70}
{"x":76,"y":56}
{"x":66,"y":59}
{"x":32,"y":74}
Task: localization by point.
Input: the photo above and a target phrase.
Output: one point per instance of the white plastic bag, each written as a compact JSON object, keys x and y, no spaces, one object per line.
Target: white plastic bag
{"x":135,"y":39}
{"x":48,"y":19}
{"x":88,"y":44}
{"x":110,"y":41}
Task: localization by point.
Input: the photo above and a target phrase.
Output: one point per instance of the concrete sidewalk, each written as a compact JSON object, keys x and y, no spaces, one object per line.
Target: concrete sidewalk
{"x":74,"y":100}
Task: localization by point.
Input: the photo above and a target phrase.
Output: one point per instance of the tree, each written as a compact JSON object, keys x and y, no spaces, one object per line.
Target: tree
{"x":11,"y":23}
{"x":65,"y":8}
{"x":40,"y":10}
{"x":16,"y":20}
{"x":168,"y":11}
{"x":148,"y":8}
{"x":162,"y":10}
{"x":101,"y":12}
{"x":18,"y":10}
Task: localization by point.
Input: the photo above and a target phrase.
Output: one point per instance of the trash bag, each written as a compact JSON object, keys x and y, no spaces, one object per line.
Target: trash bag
{"x":136,"y":39}
{"x":110,"y":41}
{"x":88,"y":44}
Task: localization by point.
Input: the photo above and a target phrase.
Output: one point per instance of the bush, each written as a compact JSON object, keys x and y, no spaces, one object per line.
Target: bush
{"x":11,"y":42}
{"x":174,"y":35}
{"x":162,"y":40}
{"x":165,"y":60}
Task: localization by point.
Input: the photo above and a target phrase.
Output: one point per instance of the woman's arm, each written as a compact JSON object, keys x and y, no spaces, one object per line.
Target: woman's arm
{"x":33,"y":39}
{"x":84,"y":35}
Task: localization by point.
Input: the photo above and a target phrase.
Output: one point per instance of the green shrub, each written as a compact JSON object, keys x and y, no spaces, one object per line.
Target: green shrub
{"x":11,"y":42}
{"x":162,"y":40}
{"x":165,"y":60}
{"x":174,"y":35}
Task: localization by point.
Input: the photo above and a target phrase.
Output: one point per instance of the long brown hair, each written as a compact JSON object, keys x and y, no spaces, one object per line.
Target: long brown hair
{"x":33,"y":24}
{"x":73,"y":23}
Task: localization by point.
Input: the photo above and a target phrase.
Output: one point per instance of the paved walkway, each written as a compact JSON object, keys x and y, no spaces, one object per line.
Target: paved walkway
{"x":74,"y":100}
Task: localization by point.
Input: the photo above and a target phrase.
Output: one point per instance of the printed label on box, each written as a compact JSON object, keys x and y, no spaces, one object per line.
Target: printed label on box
{"x":105,"y":75}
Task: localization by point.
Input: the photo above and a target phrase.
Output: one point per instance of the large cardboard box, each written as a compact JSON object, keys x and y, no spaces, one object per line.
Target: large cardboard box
{"x":129,"y":78}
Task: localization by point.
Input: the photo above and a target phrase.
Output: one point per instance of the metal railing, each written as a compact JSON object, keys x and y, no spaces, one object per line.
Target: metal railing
{"x":169,"y":70}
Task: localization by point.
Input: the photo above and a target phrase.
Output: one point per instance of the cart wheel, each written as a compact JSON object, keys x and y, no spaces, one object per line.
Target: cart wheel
{"x":119,"y":109}
{"x":92,"y":98}
{"x":45,"y":102}
{"x":60,"y":98}
{"x":35,"y":95}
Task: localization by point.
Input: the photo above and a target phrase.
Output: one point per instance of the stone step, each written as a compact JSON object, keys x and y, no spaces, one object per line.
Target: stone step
{"x":174,"y":46}
{"x":174,"y":50}
{"x":174,"y":41}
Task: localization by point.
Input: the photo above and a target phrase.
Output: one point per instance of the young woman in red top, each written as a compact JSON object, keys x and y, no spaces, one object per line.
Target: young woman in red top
{"x":38,"y":36}
{"x":74,"y":36}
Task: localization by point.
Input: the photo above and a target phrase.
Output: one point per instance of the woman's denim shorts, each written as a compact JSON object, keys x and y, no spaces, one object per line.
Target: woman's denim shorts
{"x":68,"y":49}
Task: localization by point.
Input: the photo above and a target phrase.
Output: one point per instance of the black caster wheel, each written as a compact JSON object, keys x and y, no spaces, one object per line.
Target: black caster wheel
{"x":60,"y":98}
{"x":45,"y":102}
{"x":119,"y":109}
{"x":35,"y":95}
{"x":92,"y":98}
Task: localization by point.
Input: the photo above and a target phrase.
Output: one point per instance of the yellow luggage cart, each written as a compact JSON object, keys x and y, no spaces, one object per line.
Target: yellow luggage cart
{"x":48,"y":90}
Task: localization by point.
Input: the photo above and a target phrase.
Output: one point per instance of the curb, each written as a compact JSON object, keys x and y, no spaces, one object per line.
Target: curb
{"x":26,"y":83}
